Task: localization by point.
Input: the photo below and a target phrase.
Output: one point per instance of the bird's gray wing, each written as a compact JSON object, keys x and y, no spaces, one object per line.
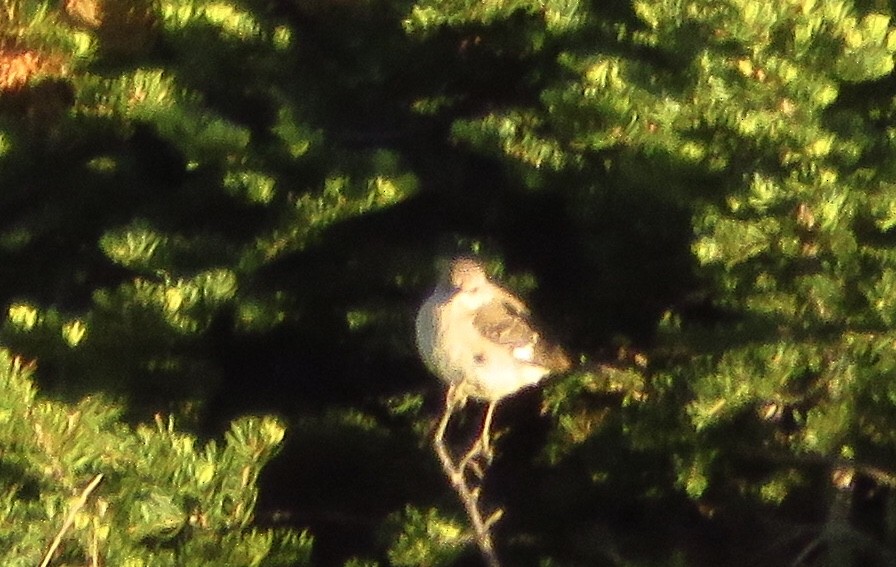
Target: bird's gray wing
{"x":505,"y":321}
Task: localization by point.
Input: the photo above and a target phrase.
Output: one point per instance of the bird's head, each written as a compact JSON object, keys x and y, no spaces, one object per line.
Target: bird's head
{"x":466,"y":277}
{"x":466,"y":274}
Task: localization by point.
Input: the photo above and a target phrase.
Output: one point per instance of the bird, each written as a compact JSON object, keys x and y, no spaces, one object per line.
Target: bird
{"x":479,"y":339}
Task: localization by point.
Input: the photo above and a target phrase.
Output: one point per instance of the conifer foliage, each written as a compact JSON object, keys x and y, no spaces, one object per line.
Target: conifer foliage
{"x":81,"y":488}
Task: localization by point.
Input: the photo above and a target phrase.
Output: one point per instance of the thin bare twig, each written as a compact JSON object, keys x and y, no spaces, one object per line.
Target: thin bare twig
{"x":70,"y":519}
{"x":469,"y":495}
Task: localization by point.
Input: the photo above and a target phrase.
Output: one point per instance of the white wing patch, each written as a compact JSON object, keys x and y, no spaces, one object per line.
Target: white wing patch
{"x":525,"y":353}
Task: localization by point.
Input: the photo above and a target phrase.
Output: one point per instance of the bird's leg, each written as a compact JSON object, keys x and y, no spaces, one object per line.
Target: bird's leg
{"x":450,"y":401}
{"x":487,"y":432}
{"x":438,"y":440}
{"x":481,"y":446}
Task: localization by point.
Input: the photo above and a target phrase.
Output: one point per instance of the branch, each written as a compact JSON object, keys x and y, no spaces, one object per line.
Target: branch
{"x":70,"y":519}
{"x":469,"y":495}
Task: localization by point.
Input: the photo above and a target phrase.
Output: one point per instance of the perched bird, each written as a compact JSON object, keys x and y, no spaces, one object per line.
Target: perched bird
{"x":477,"y":337}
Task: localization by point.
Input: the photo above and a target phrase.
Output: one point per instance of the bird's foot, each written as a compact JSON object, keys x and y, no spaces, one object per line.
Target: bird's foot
{"x":477,"y":469}
{"x":477,"y":459}
{"x":486,"y":450}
